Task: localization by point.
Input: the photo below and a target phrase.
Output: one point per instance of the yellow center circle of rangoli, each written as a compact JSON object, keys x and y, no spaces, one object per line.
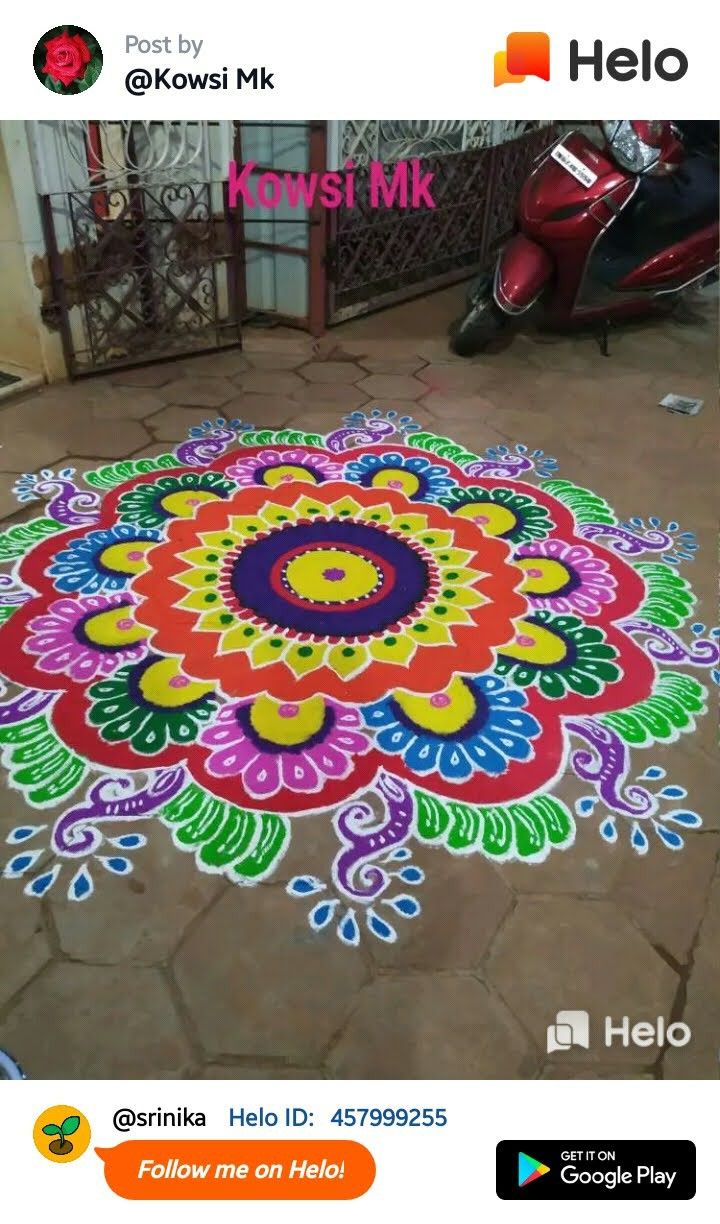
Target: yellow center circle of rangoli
{"x":543,"y":575}
{"x":286,"y":472}
{"x":492,"y":518}
{"x":184,"y":503}
{"x":397,"y":478}
{"x":126,"y":558}
{"x":331,"y":575}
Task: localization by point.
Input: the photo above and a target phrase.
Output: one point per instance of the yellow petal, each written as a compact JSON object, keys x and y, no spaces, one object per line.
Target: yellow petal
{"x":430,"y":632}
{"x":446,"y":613}
{"x":459,"y":575}
{"x":275,"y":516}
{"x":205,"y":558}
{"x":452,"y":556}
{"x":248,"y":525}
{"x":348,"y":661}
{"x":200,"y":601}
{"x":308,"y":507}
{"x":268,"y":649}
{"x":240,"y":637}
{"x":391,"y":649}
{"x":436,"y":540}
{"x":198,"y":579}
{"x":409,"y":524}
{"x":377,"y":514}
{"x":347,"y":507}
{"x":304,"y":657}
{"x":219,"y":541}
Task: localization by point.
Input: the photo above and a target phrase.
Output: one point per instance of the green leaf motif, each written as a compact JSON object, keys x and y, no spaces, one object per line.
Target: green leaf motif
{"x":70,"y":1125}
{"x":443,"y":447}
{"x":669,"y":599}
{"x":526,"y":830}
{"x":38,"y":763}
{"x":16,"y":541}
{"x":269,"y":437}
{"x":51,"y":1129}
{"x":245,"y":845}
{"x":116,"y":473}
{"x":665,"y":715}
{"x":585,"y":505}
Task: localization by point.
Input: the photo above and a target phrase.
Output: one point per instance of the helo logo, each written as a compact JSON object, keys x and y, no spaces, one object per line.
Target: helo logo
{"x":527,"y":53}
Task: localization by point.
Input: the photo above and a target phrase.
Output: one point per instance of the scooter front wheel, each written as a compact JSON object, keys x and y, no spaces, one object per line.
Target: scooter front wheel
{"x":474,"y":332}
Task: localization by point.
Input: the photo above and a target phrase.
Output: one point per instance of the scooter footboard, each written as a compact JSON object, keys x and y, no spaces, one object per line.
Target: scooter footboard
{"x":523,"y":270}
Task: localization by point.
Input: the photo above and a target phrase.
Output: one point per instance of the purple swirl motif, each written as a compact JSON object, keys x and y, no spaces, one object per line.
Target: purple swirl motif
{"x":199,"y":452}
{"x":627,"y":543}
{"x":67,"y":503}
{"x":74,"y":832}
{"x":512,"y":466}
{"x":606,"y":764}
{"x":356,"y":826}
{"x":30,"y":703}
{"x":358,"y":435}
{"x":10,"y":595}
{"x":667,"y":648}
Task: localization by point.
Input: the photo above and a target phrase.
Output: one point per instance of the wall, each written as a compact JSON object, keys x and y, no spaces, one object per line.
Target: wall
{"x":24,"y":339}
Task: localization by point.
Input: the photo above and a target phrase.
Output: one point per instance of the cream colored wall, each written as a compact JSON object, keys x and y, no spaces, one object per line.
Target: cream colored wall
{"x":24,"y":339}
{"x":19,"y":339}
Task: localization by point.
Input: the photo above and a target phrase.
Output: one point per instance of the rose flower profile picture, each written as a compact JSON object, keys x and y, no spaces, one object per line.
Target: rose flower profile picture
{"x":68,"y":59}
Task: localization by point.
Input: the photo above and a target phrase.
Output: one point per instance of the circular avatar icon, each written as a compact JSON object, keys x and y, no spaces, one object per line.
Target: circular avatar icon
{"x":61,"y":1134}
{"x":68,"y":59}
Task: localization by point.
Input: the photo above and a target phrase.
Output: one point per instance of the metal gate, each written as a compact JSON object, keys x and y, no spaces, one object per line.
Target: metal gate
{"x":377,"y":257}
{"x":139,"y":240}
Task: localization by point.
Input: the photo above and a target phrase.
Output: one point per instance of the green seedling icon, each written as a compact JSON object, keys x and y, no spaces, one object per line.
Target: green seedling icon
{"x":62,"y":1146}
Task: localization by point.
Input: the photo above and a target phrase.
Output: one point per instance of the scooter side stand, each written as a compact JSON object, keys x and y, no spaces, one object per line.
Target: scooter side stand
{"x":603,"y":338}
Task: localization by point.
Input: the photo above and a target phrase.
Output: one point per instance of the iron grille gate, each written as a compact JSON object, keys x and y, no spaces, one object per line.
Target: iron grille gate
{"x":377,"y":257}
{"x":139,"y":241}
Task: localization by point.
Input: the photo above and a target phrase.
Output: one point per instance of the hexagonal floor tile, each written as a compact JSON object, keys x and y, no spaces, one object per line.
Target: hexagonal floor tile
{"x":140,"y":918}
{"x":198,"y":392}
{"x":23,"y":944}
{"x":331,"y":372}
{"x":463,"y":901}
{"x":431,"y":1026}
{"x":270,"y":382}
{"x":570,"y":954}
{"x":392,"y":386}
{"x":96,"y":1022}
{"x":257,"y":982}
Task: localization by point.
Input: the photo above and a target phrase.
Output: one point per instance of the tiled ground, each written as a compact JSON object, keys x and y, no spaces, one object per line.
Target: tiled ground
{"x":172,"y":973}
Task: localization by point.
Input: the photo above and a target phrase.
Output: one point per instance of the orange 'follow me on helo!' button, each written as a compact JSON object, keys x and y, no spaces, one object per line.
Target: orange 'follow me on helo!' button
{"x":238,"y":1169}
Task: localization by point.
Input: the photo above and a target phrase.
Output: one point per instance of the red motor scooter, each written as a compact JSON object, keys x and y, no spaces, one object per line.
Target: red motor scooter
{"x":604,"y":232}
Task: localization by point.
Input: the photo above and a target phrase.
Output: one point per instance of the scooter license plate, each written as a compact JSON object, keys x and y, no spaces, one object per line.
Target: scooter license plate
{"x":573,"y":165}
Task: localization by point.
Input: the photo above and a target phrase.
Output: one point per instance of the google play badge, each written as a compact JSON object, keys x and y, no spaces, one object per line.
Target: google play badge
{"x":529,"y":1170}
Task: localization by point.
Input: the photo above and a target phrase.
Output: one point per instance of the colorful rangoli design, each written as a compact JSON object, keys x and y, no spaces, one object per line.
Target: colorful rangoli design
{"x":375,"y":624}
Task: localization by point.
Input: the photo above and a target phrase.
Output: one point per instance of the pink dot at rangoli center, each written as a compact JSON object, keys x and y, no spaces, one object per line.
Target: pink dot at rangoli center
{"x":534,"y":573}
{"x":288,"y":710}
{"x":193,"y":501}
{"x":135,"y":555}
{"x":286,"y":479}
{"x":523,"y":640}
{"x":179,"y":682}
{"x":125,"y":623}
{"x":395,"y":484}
{"x":482,"y":518}
{"x":439,"y":700}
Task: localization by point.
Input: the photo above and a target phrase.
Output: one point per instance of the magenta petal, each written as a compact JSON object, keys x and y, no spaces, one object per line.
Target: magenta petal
{"x":218,"y":737}
{"x":299,"y":772}
{"x":230,"y":763}
{"x":67,"y":610}
{"x":262,"y":776}
{"x":348,"y":741}
{"x":330,"y":761}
